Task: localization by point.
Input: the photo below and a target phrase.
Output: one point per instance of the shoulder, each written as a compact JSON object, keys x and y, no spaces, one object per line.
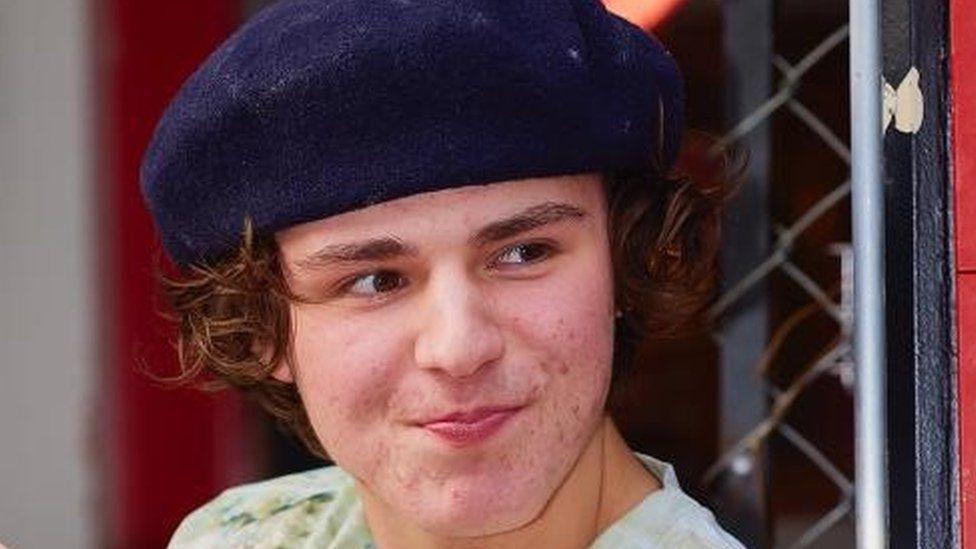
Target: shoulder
{"x":312,"y":508}
{"x":668,"y":518}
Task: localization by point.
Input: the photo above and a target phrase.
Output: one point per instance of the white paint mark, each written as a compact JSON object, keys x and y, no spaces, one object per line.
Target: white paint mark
{"x":911,"y":106}
{"x":889,"y":97}
{"x":904,"y":105}
{"x":574,"y":54}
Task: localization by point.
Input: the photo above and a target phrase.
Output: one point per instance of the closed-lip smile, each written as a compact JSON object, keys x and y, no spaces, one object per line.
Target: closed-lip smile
{"x":464,"y":428}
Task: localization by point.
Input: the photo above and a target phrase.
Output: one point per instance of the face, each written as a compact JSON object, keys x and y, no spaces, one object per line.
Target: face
{"x":457,"y":354}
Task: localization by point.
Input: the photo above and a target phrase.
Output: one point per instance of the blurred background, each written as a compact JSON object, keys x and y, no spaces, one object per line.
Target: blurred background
{"x":757,"y":416}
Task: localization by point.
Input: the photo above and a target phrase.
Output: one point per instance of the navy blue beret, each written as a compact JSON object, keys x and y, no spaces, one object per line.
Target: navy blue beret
{"x":316,"y":107}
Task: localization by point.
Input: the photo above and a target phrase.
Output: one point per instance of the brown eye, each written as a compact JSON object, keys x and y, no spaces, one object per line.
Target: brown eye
{"x":523,"y":253}
{"x":375,"y":283}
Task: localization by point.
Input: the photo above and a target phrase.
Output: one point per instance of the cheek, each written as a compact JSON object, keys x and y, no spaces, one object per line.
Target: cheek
{"x":345,"y":384}
{"x":568,"y":320}
{"x":575,"y":312}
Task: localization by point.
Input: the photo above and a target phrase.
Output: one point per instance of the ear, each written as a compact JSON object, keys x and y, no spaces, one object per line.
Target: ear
{"x":282,"y":371}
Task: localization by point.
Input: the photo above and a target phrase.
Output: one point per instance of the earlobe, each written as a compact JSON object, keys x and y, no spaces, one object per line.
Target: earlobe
{"x":283,"y":373}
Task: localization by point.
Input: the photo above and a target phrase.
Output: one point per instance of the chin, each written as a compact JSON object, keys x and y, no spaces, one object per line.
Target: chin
{"x":475,"y":511}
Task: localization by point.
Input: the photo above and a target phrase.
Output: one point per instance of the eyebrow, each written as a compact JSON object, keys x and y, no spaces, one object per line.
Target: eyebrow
{"x":389,"y":247}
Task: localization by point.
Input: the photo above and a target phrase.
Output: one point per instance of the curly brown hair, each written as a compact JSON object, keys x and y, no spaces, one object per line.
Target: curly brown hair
{"x":233,"y":316}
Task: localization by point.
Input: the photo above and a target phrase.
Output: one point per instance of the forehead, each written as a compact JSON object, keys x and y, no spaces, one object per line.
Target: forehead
{"x":447,"y":213}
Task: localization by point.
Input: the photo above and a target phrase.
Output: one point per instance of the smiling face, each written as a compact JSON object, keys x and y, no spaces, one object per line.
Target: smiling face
{"x":457,"y":355}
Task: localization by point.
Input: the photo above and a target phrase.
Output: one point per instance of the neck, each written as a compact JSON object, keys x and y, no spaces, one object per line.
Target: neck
{"x":606,"y":482}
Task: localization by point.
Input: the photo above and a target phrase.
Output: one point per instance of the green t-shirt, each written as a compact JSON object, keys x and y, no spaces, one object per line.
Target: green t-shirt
{"x":321,"y":509}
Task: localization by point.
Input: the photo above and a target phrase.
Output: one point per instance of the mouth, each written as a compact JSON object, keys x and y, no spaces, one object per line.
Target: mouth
{"x":470,"y":427}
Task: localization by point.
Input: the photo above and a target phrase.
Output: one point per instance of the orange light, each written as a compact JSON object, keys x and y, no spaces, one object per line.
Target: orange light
{"x":644,"y":13}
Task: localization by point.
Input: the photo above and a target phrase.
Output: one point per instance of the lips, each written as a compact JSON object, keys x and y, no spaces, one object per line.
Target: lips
{"x":464,"y":428}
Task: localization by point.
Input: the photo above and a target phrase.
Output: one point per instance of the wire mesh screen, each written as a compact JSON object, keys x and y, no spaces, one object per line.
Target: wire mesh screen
{"x":798,"y":446}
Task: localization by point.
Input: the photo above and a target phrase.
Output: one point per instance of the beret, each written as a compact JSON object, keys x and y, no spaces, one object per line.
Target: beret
{"x":317,"y":107}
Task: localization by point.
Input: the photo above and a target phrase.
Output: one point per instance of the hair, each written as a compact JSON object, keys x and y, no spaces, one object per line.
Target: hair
{"x":233,"y":316}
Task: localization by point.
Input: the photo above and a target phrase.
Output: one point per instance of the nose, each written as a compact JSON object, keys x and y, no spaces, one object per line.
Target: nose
{"x":459,"y":334}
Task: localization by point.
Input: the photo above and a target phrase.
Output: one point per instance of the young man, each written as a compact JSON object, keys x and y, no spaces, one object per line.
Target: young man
{"x":426,"y":236}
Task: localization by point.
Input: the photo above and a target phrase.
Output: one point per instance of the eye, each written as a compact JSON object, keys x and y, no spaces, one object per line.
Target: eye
{"x":529,"y":252}
{"x":374,"y":284}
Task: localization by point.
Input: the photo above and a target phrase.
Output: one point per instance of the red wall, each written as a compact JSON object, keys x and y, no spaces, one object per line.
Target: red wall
{"x":162,"y":449}
{"x":963,"y":77}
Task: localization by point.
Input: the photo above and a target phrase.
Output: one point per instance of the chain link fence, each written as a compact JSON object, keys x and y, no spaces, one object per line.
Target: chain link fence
{"x":787,"y":378}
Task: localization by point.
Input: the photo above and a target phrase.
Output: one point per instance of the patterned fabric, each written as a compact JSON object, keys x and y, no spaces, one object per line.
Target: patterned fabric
{"x":320,"y":509}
